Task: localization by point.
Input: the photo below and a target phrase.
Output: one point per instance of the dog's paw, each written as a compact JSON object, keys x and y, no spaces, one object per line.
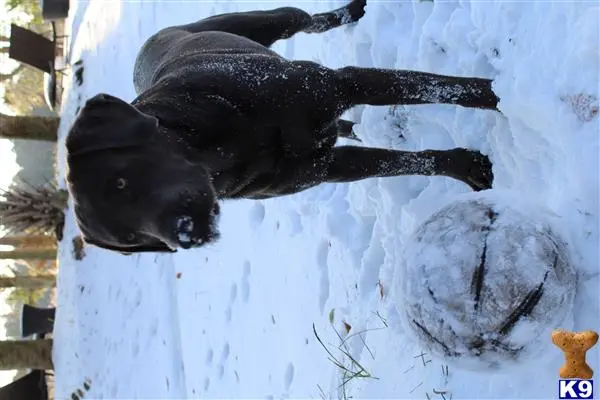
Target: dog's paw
{"x":480,"y":175}
{"x":355,"y":10}
{"x":470,"y":167}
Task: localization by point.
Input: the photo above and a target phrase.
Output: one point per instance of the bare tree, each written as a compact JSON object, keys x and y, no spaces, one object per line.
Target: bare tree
{"x":28,"y":127}
{"x":14,"y":72}
{"x":26,"y":354}
{"x":5,"y":46}
{"x":28,"y":254}
{"x":26,"y":209}
{"x":28,"y":281}
{"x":29,"y":241}
{"x":25,"y":93}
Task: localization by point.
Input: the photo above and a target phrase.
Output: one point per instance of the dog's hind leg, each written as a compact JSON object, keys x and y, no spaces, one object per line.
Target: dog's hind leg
{"x":266,"y":27}
{"x":351,"y":163}
{"x":350,"y":13}
{"x":388,"y":87}
{"x":344,"y":129}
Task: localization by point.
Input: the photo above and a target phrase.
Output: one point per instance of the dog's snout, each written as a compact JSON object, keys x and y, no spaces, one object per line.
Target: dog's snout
{"x":184,"y":227}
{"x":185,"y":232}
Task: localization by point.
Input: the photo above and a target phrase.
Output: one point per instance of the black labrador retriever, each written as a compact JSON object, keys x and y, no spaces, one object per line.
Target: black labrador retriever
{"x":221,"y":116}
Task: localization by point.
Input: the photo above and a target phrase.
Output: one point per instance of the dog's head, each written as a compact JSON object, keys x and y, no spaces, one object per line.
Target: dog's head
{"x":132,"y":192}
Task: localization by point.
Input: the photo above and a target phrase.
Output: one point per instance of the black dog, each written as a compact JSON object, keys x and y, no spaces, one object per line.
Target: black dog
{"x":220,"y":116}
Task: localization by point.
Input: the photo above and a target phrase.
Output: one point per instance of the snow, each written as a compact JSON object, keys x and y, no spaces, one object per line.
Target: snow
{"x":484,"y":281}
{"x":236,"y":319}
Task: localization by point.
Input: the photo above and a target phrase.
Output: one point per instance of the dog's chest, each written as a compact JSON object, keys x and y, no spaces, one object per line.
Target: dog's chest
{"x":237,"y":162}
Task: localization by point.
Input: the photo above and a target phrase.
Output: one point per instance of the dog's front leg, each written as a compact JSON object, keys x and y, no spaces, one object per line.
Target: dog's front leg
{"x":379,"y":87}
{"x":350,"y":163}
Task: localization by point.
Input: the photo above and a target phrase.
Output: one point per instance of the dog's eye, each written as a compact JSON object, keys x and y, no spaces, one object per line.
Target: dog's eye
{"x":121,"y":183}
{"x":130,"y":237}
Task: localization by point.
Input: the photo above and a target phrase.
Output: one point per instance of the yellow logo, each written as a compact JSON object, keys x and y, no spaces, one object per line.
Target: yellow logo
{"x":575,"y":345}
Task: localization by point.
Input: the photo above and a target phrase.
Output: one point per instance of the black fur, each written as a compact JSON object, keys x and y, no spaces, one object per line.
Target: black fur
{"x":219,"y":115}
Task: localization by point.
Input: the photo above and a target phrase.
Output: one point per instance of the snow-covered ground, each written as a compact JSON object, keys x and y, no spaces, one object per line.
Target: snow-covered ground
{"x":236,"y":320}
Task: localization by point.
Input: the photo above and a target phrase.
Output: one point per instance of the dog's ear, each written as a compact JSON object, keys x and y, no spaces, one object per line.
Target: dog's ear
{"x":127,"y":251}
{"x":107,"y":122}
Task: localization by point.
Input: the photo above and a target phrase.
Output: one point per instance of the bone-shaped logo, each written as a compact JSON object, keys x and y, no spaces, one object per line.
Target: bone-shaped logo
{"x":575,"y":345}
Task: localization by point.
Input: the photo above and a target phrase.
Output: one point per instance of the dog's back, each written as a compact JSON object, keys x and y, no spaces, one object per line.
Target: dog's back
{"x":175,"y":44}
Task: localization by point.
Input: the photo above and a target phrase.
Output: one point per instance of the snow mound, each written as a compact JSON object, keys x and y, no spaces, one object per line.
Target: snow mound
{"x":485,"y":280}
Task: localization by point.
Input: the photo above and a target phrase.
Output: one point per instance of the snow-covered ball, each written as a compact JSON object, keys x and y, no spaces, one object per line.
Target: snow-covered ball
{"x":484,"y":281}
